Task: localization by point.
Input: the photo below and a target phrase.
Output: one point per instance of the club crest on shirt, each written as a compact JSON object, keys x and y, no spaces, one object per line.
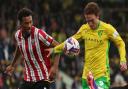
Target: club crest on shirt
{"x":32,"y":41}
{"x":100,"y":33}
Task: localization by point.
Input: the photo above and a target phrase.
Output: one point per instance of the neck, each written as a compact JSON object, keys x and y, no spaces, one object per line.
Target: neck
{"x":98,"y":23}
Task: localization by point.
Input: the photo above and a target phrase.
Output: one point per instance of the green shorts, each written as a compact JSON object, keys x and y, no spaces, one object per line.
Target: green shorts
{"x":101,"y":82}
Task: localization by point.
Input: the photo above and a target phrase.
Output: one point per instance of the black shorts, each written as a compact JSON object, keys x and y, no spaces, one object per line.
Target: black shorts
{"x":35,"y":85}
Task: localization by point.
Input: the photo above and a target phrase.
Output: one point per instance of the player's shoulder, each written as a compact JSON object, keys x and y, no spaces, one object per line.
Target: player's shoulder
{"x":18,"y":31}
{"x":106,"y":26}
{"x":84,"y":27}
{"x":36,"y":30}
{"x":41,"y":32}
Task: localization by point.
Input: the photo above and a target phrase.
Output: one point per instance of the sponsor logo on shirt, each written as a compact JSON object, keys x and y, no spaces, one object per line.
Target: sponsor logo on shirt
{"x":94,"y":40}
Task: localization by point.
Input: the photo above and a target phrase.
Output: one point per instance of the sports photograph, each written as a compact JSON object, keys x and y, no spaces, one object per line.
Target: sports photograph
{"x":63,"y":44}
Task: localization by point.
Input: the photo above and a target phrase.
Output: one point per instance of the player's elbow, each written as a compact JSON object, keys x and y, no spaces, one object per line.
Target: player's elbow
{"x":121,"y":44}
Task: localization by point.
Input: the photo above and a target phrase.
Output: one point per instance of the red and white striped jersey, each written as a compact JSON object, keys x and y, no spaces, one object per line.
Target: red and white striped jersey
{"x":37,"y":64}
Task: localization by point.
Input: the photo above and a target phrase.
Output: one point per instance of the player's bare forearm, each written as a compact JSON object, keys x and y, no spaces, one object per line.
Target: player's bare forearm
{"x":9,"y":70}
{"x":54,"y":67}
{"x":56,"y":61}
{"x":16,"y":55}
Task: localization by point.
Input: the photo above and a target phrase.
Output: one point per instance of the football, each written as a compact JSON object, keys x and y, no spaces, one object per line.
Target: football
{"x":71,"y":47}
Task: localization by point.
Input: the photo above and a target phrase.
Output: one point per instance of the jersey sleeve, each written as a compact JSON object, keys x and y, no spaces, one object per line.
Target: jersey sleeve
{"x":16,"y":37}
{"x":78,"y":35}
{"x":59,"y":48}
{"x":45,"y":38}
{"x":116,"y":38}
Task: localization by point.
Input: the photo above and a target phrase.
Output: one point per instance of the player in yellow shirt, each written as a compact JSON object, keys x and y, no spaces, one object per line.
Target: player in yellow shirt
{"x":96,"y":35}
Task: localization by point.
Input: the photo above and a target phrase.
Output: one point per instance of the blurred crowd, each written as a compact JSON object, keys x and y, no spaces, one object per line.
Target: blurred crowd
{"x":60,"y":19}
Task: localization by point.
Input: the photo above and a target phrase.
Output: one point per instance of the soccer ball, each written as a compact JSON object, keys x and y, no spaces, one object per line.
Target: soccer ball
{"x":71,"y":47}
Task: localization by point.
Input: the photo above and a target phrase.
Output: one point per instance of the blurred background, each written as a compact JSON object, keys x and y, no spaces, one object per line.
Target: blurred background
{"x":60,"y":19}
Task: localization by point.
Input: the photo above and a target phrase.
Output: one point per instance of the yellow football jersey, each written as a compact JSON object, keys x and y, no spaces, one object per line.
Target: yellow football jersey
{"x":97,"y":48}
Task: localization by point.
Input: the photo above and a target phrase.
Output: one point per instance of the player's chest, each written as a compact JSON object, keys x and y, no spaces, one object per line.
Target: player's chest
{"x":28,"y":44}
{"x":94,"y":37}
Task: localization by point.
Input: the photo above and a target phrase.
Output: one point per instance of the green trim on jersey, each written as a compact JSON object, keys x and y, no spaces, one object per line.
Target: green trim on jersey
{"x":107,"y":61}
{"x":107,"y":55}
{"x":98,"y":25}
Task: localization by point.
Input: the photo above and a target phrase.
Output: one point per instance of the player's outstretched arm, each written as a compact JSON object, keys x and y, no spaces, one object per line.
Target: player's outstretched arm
{"x":56,"y":49}
{"x":9,"y":70}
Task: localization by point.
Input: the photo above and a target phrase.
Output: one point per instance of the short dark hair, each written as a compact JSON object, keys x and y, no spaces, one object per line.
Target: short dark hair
{"x":23,"y":13}
{"x":92,"y":8}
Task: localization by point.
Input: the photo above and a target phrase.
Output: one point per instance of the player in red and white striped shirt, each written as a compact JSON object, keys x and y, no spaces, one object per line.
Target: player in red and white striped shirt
{"x":32,"y":43}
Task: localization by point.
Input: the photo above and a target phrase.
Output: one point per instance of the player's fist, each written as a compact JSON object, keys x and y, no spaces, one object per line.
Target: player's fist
{"x":123,"y":66}
{"x":52,"y":73}
{"x":50,"y":50}
{"x":9,"y":70}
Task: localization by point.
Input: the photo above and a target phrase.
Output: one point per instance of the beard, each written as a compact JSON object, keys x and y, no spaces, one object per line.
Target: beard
{"x":26,"y":34}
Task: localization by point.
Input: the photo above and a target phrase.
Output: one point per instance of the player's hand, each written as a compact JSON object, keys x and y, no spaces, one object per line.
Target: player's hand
{"x":50,"y":50}
{"x":123,"y":66}
{"x":9,"y":70}
{"x":68,"y":53}
{"x":52,"y":72}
